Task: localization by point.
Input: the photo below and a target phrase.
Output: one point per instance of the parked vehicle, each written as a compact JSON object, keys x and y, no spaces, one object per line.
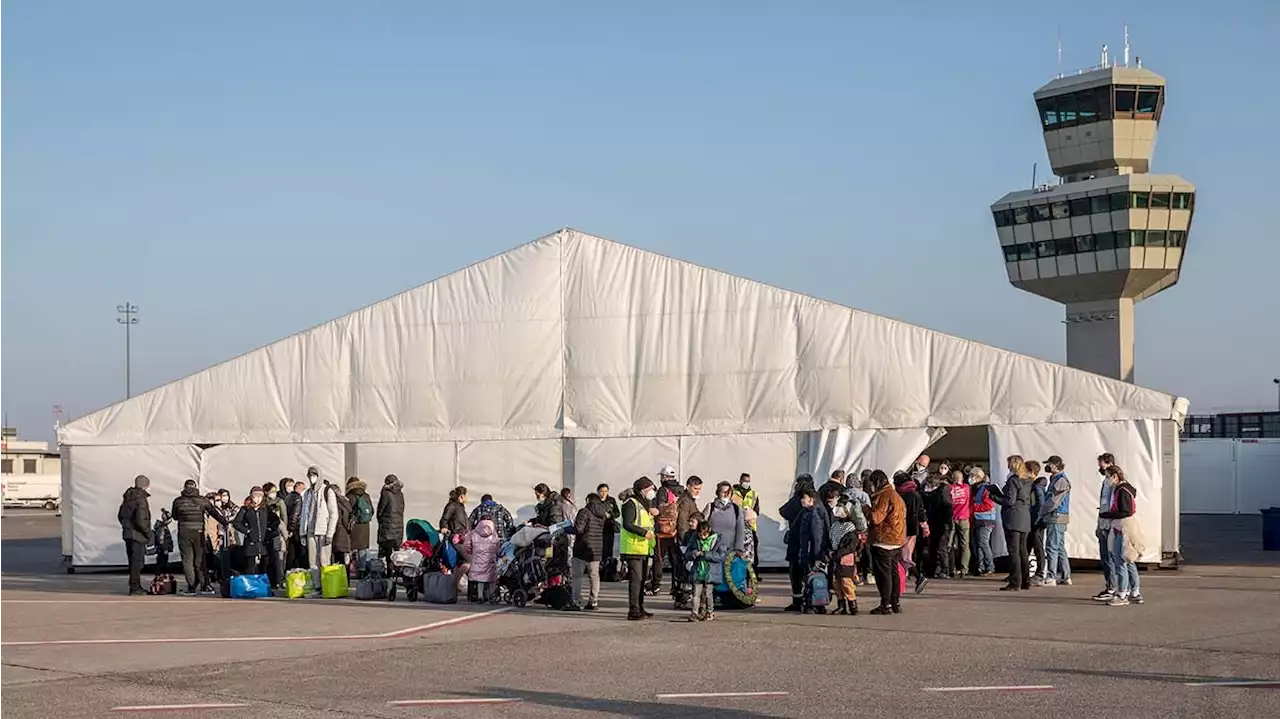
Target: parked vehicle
{"x":32,"y":491}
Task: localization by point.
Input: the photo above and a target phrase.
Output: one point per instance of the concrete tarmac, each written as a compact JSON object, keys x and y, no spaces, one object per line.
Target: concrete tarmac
{"x":961,"y":649}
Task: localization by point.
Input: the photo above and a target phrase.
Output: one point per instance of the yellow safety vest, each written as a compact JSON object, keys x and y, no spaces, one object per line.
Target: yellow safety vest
{"x":637,"y":544}
{"x":748,"y":501}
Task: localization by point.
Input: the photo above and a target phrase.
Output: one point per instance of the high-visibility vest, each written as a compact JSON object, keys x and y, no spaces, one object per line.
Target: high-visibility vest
{"x":748,"y":501}
{"x":637,"y":544}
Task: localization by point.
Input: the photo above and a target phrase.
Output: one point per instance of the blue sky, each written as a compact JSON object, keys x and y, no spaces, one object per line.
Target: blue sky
{"x":242,"y":171}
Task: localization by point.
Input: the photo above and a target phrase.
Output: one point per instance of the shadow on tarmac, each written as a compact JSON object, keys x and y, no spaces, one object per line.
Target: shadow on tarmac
{"x":619,"y":707}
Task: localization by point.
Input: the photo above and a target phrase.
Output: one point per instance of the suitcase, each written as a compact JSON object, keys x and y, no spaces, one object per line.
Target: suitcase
{"x":371,"y":588}
{"x":439,"y":588}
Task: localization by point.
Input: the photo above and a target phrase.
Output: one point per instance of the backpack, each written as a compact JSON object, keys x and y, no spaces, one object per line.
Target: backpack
{"x":668,"y":513}
{"x":163,"y":584}
{"x":817,"y":591}
{"x":362,"y":509}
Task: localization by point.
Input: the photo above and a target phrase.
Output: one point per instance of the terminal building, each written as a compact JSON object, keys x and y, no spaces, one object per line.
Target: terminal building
{"x":1109,"y":233}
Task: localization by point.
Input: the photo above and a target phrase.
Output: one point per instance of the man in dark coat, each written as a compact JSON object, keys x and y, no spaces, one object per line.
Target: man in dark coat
{"x":549,"y":509}
{"x":588,"y":551}
{"x":390,"y":517}
{"x":297,"y":554}
{"x":610,"y":527}
{"x":135,"y":528}
{"x":190,"y":509}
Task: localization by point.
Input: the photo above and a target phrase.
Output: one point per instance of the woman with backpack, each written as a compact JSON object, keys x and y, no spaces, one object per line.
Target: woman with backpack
{"x":726,"y":518}
{"x":361,"y":513}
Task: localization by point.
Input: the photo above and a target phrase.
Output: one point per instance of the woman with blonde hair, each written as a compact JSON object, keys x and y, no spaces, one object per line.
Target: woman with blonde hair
{"x":1015,"y":515}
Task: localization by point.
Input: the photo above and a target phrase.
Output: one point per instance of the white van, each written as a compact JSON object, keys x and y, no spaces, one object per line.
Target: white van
{"x":32,"y":490}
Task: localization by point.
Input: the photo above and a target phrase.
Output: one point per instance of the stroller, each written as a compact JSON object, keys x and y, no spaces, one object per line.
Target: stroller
{"x":412,"y":560}
{"x":526,"y":566}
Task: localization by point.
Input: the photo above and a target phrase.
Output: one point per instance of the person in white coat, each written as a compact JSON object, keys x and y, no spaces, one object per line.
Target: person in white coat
{"x":319,"y":521}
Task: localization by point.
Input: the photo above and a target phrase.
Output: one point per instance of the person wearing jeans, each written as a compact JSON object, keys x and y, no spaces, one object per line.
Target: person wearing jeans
{"x":984,"y":521}
{"x":1103,"y":532}
{"x":1121,"y":513}
{"x":962,"y":509}
{"x":1057,"y":514}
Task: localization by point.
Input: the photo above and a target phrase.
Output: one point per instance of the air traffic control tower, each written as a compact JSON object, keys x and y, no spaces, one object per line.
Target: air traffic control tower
{"x":1109,"y":233}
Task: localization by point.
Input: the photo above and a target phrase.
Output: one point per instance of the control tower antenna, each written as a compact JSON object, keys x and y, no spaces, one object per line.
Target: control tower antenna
{"x":1126,"y":44}
{"x":1059,"y":51}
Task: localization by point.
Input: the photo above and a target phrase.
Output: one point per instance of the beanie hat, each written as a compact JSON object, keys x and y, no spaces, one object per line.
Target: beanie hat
{"x":141,"y":481}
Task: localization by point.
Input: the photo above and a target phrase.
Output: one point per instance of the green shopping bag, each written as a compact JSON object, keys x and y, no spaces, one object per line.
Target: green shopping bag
{"x":297,"y":582}
{"x":333,"y":581}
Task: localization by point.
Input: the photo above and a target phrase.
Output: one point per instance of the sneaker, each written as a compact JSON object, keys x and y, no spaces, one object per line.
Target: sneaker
{"x":1037,"y":582}
{"x":882,"y":611}
{"x":1118,"y":600}
{"x":647,"y":614}
{"x":1065,"y":582}
{"x":921,"y":583}
{"x":635,"y":616}
{"x":710,"y":616}
{"x":572,"y":607}
{"x":591,"y":608}
{"x":1135,"y":599}
{"x":188,"y":592}
{"x":794,"y":606}
{"x":896,"y":609}
{"x":693,"y":618}
{"x":1105,"y":595}
{"x":1010,"y":588}
{"x":1050,"y":582}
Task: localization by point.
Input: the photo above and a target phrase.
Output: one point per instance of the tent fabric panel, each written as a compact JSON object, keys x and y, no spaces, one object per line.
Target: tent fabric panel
{"x":99,"y":477}
{"x":239,"y":467}
{"x":770,"y":459}
{"x":509,"y":470}
{"x":1135,"y":444}
{"x":428,"y":470}
{"x":620,"y":461}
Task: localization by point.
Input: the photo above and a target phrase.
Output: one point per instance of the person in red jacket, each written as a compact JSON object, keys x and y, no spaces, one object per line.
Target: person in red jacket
{"x":961,"y":509}
{"x":984,"y":521}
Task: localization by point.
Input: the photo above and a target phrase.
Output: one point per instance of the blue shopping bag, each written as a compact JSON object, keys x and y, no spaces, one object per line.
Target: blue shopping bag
{"x":250,"y":586}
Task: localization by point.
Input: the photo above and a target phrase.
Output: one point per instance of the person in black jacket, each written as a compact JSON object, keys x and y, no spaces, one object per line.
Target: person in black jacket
{"x":938,"y":509}
{"x":297,"y":558}
{"x":134,"y":516}
{"x":644,"y":494}
{"x":549,"y":510}
{"x":190,"y":509}
{"x":611,"y":526}
{"x":454,"y":518}
{"x":254,"y":522}
{"x":917,"y":525}
{"x":791,"y":512}
{"x":588,"y":551}
{"x":390,"y":517}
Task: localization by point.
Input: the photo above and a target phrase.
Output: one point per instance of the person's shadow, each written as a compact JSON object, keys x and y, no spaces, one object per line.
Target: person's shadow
{"x":619,"y":707}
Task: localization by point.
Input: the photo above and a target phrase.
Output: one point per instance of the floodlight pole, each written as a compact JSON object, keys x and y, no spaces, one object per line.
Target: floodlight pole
{"x":128,"y":318}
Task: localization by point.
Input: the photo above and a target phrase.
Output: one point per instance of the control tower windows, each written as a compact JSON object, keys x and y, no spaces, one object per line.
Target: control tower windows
{"x":1160,"y":200}
{"x":1183,"y":200}
{"x":1156,"y":238}
{"x":1099,"y":104}
{"x":1148,"y":100}
{"x":1099,"y":203}
{"x":1010,"y":253}
{"x":1080,"y":207}
{"x":1059,"y":210}
{"x":1003,"y":218}
{"x":1046,"y":248}
{"x":1065,"y":245}
{"x":1040,"y":213}
{"x":1126,"y":99}
{"x":1177,"y":238}
{"x":1141,"y":200}
{"x":1119,"y":201}
{"x":1021,"y":215}
{"x":1105,"y":240}
{"x":1027,"y":251}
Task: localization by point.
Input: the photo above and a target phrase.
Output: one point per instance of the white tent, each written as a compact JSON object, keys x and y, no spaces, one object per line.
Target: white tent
{"x":574,"y":360}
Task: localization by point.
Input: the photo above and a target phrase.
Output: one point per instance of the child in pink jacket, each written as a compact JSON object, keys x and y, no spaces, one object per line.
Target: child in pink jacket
{"x":484,"y":546}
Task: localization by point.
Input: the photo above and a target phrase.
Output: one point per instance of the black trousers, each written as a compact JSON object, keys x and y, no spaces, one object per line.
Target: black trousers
{"x":940,"y":556}
{"x":191,"y":547}
{"x":1019,"y":564}
{"x":755,"y":549}
{"x":137,"y":555}
{"x":1036,"y":544}
{"x":385,"y":548}
{"x":796,"y":573}
{"x":884,"y":566}
{"x":635,"y":583}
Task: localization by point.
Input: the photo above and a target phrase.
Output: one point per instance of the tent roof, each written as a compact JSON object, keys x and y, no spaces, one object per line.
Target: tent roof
{"x":577,"y":336}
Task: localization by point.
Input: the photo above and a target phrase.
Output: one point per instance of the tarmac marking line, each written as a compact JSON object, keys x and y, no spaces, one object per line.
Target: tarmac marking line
{"x":397,"y":634}
{"x":722,"y":695}
{"x":1249,"y":684}
{"x":451,"y":702}
{"x":175,"y":707}
{"x":1015,"y":688}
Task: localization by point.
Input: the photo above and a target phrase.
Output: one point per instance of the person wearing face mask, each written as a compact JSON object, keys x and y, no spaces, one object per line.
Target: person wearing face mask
{"x":279,"y":533}
{"x":319,"y":522}
{"x":1103,"y":532}
{"x":726,"y":519}
{"x":920,"y":470}
{"x":637,"y":542}
{"x":253,"y":521}
{"x":747,"y":498}
{"x":297,"y":542}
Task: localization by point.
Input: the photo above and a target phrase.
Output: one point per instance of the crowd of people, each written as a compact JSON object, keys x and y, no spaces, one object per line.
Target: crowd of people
{"x":853,"y":530}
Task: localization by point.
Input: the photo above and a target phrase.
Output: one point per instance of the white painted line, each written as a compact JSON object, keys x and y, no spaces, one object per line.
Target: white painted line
{"x":397,"y":634}
{"x":451,"y":702}
{"x":722,"y":695}
{"x":1251,"y":683}
{"x":1015,"y":688}
{"x":175,"y":707}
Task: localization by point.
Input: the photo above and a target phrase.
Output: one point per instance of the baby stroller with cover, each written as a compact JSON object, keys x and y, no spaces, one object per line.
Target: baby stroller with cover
{"x":526,"y":567}
{"x":412,"y":560}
